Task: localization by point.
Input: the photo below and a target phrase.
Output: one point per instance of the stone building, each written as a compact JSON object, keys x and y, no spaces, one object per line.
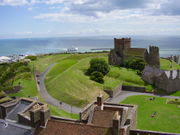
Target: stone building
{"x":22,"y":116}
{"x":122,"y":52}
{"x":165,"y":80}
{"x":176,"y":59}
{"x":97,"y":119}
{"x":29,"y":117}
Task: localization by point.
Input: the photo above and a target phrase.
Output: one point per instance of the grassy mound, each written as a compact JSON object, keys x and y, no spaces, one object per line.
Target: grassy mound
{"x":72,"y":86}
{"x":167,"y":118}
{"x":168,"y":65}
{"x":118,"y":75}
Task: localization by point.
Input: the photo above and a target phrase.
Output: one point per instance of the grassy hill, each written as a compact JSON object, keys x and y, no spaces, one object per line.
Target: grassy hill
{"x":67,"y":82}
{"x":167,"y":118}
{"x":168,"y":65}
{"x":72,"y":85}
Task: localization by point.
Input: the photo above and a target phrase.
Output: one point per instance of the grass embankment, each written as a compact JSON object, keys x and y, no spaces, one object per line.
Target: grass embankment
{"x":167,"y":118}
{"x":67,"y":81}
{"x":43,"y":61}
{"x":168,"y":65}
{"x":72,"y":85}
{"x":61,"y":113}
{"x":120,"y":75}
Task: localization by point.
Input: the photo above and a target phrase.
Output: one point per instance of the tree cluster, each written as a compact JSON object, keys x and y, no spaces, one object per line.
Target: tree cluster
{"x":98,"y":68}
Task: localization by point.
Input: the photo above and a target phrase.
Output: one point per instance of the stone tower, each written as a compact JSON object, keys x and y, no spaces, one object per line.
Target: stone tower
{"x":116,"y":55}
{"x":121,"y":44}
{"x":152,"y":57}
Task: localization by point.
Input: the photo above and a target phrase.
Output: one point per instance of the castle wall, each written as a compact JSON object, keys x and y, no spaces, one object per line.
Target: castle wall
{"x":170,"y":85}
{"x":152,"y":57}
{"x":114,"y":59}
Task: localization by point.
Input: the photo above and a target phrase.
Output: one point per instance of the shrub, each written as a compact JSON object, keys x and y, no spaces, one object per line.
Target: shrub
{"x":97,"y":76}
{"x":99,"y":65}
{"x":32,"y":57}
{"x":137,"y":64}
{"x":23,"y":69}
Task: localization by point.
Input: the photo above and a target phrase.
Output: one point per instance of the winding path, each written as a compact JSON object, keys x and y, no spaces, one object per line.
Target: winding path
{"x":51,"y":100}
{"x":124,"y":94}
{"x":72,"y":109}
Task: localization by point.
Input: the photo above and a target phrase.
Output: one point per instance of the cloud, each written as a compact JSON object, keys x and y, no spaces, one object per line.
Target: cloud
{"x":170,"y":7}
{"x":13,"y":2}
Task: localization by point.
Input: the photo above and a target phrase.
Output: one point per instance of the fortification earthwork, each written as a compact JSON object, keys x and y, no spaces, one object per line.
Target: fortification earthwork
{"x":161,"y":79}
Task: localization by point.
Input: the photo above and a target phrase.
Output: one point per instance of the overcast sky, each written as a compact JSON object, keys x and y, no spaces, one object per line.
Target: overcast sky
{"x":48,"y":18}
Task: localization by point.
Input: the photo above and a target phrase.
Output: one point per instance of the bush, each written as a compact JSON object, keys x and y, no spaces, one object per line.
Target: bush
{"x":97,"y":76}
{"x":98,"y":65}
{"x":32,"y":58}
{"x":137,"y":64}
{"x":23,"y":69}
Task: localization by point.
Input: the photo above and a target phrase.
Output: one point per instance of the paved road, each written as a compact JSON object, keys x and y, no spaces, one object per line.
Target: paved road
{"x":68,"y":108}
{"x":124,"y":94}
{"x":49,"y":99}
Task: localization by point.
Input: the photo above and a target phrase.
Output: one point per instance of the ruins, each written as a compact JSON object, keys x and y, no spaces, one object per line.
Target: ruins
{"x":123,"y":52}
{"x":161,"y":79}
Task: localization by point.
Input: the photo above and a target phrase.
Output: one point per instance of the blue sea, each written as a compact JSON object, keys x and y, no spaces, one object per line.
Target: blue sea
{"x":169,"y":45}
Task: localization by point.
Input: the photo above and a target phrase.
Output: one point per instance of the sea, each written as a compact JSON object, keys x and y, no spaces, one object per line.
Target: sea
{"x":169,"y":45}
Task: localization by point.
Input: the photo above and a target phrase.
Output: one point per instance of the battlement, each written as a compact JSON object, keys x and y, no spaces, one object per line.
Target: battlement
{"x":154,"y":49}
{"x":152,"y":56}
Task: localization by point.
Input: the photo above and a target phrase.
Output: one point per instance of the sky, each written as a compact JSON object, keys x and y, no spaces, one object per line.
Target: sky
{"x":53,"y":18}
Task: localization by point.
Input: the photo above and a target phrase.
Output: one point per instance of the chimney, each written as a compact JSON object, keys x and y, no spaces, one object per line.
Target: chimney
{"x":44,"y":116}
{"x":116,"y":127}
{"x":100,"y":102}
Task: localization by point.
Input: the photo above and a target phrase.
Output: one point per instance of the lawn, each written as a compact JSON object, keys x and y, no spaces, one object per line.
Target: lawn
{"x":61,"y":113}
{"x":67,"y":81}
{"x":176,"y":93}
{"x":119,"y":75}
{"x":167,"y":118}
{"x":44,"y":61}
{"x":168,"y":65}
{"x":28,"y":88}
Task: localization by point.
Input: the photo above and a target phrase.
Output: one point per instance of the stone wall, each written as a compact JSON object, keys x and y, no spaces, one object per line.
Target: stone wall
{"x":177,"y":59}
{"x":168,"y":84}
{"x":134,"y":88}
{"x":86,"y":112}
{"x":165,"y":80}
{"x":115,"y":92}
{"x":114,"y":59}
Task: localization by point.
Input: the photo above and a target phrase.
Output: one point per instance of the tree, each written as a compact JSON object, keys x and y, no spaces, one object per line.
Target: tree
{"x":32,"y":57}
{"x":99,"y":65}
{"x":97,"y":76}
{"x":137,"y":64}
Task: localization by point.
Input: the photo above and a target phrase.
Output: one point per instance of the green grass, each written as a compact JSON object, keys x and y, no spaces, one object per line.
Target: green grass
{"x":73,"y":87}
{"x":59,"y":68}
{"x":118,"y":75}
{"x":28,"y":88}
{"x":4,"y":99}
{"x":61,"y":113}
{"x":166,"y":120}
{"x":166,"y":65}
{"x":44,"y":61}
{"x":176,"y":93}
{"x":2,"y":94}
